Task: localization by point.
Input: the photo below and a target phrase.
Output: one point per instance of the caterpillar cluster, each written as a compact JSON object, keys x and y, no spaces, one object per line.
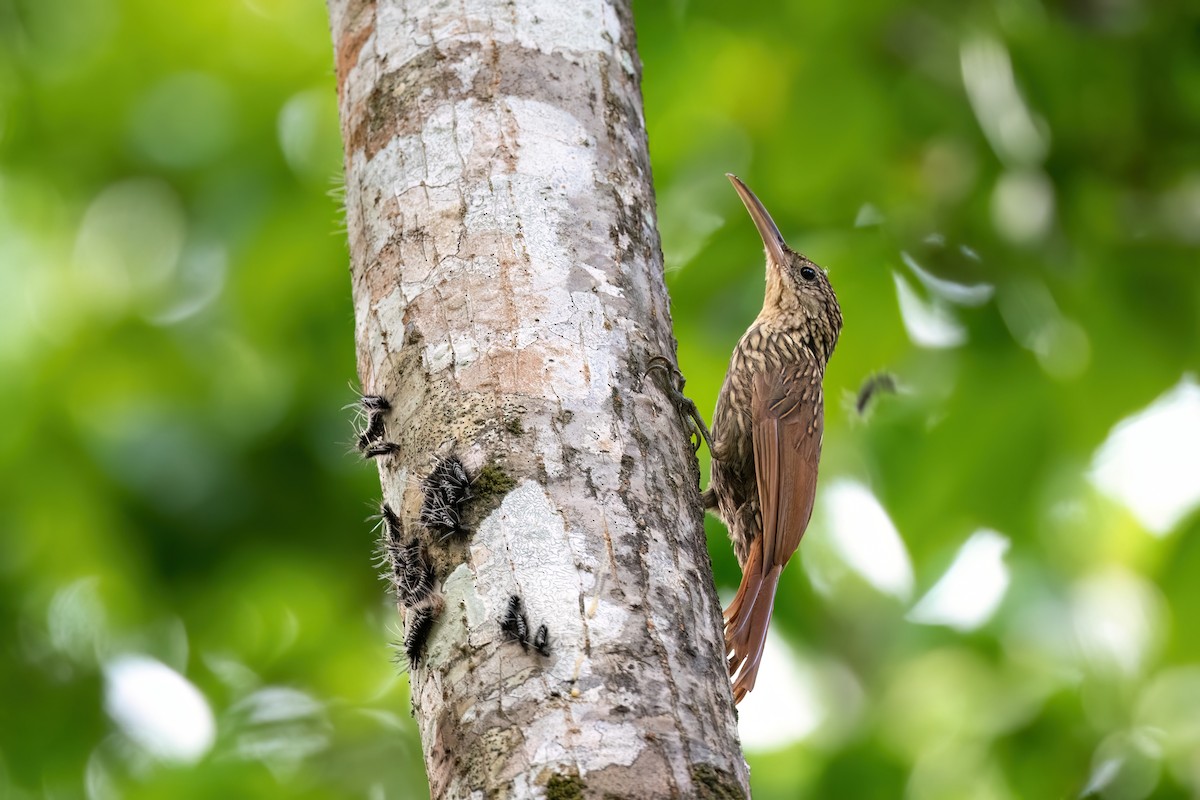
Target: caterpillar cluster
{"x":410,"y":573}
{"x":420,"y":624}
{"x":446,"y":489}
{"x":370,"y":441}
{"x":409,"y":569}
{"x":515,"y":626}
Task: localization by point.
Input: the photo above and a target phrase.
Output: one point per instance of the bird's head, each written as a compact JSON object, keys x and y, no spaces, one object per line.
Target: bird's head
{"x":797,"y":289}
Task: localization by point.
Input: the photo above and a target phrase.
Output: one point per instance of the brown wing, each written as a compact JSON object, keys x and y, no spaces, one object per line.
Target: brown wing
{"x":788,"y":422}
{"x":788,"y":414}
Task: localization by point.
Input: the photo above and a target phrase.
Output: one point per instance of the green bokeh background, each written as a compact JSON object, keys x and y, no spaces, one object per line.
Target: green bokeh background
{"x":176,"y":341}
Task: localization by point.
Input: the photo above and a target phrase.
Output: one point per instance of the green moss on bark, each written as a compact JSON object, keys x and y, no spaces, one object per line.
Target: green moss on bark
{"x":565,"y":787}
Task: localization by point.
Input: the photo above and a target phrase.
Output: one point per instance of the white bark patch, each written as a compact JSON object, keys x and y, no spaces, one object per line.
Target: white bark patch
{"x":538,"y":548}
{"x":390,"y":306}
{"x":627,"y":63}
{"x":598,"y":745}
{"x":555,"y":163}
{"x":549,"y":444}
{"x":554,"y":147}
{"x":439,"y":356}
{"x":459,"y":588}
{"x":548,"y":26}
{"x":429,"y":164}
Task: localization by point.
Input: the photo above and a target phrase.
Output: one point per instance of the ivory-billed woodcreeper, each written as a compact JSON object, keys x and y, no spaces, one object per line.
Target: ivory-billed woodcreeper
{"x":766,"y":435}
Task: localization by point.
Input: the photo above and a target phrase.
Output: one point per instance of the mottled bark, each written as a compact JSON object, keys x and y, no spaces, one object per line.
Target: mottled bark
{"x":508,"y":291}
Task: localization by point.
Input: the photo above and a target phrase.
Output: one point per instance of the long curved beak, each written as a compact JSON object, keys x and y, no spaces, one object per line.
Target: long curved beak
{"x":767,"y":229}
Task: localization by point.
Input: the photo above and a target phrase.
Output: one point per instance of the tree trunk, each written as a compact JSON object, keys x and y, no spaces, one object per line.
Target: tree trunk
{"x":508,"y":291}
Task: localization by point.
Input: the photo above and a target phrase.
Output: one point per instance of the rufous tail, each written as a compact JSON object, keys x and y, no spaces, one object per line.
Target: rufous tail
{"x":746,"y":621}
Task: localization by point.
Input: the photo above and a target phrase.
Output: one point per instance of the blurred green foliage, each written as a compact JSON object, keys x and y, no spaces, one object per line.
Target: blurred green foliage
{"x":176,"y":337}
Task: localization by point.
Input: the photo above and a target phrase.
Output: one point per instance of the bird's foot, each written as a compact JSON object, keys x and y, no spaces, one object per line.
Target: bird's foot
{"x":673,"y":385}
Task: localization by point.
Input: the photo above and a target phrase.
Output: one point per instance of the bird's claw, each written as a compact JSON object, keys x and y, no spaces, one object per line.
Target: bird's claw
{"x":683,"y":404}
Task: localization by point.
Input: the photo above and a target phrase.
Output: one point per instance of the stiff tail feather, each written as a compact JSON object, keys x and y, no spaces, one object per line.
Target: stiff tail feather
{"x":746,"y":621}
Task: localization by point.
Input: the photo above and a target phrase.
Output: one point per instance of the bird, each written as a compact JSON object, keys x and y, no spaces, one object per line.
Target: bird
{"x":766,"y":435}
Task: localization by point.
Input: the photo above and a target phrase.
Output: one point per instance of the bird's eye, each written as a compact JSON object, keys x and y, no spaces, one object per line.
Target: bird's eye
{"x":808,"y":273}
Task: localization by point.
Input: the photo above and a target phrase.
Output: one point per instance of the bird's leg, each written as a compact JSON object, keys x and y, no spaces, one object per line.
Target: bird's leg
{"x":673,"y":385}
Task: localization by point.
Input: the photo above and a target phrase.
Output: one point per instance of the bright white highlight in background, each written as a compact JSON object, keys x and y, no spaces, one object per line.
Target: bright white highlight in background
{"x":1118,"y":620}
{"x":1011,"y":128}
{"x":1151,"y":461}
{"x":158,"y":708}
{"x":1023,"y":205}
{"x":863,"y":536}
{"x":961,"y":293}
{"x":785,"y":705}
{"x":971,"y":589}
{"x":928,"y":323}
{"x":797,"y":698}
